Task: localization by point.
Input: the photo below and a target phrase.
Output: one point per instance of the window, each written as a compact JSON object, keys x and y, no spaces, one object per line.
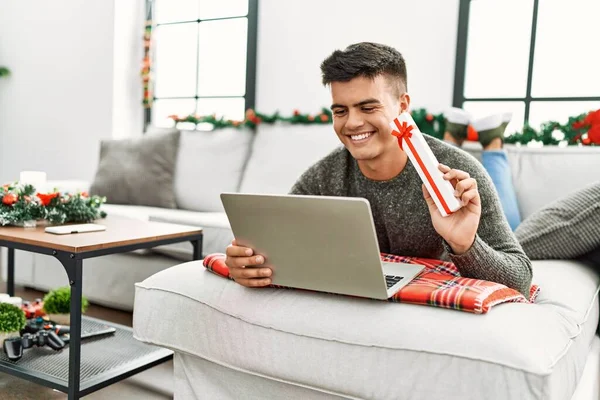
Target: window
{"x":204,"y":58}
{"x":534,"y":58}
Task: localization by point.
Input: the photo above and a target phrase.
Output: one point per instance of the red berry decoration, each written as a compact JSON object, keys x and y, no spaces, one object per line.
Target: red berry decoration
{"x":9,"y":199}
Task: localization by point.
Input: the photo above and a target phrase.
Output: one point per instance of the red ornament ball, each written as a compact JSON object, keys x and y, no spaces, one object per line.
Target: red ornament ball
{"x":9,"y":199}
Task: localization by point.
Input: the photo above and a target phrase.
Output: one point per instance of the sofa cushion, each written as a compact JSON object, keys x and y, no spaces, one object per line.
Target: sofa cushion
{"x":369,"y":349}
{"x":208,"y":164}
{"x":566,"y":228}
{"x":280,"y":154}
{"x":138,"y":171}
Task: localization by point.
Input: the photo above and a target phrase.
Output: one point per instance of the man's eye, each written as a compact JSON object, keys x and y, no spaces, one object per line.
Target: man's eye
{"x":368,"y":109}
{"x":339,"y":112}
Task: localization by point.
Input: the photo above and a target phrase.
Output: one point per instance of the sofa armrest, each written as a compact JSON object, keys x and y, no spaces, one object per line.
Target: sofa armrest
{"x":66,"y":186}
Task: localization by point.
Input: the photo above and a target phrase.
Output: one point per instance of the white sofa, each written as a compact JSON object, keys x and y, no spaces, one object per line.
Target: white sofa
{"x":232,"y":342}
{"x":516,"y":351}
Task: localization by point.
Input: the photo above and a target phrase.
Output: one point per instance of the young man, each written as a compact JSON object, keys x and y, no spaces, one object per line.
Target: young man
{"x":369,"y":89}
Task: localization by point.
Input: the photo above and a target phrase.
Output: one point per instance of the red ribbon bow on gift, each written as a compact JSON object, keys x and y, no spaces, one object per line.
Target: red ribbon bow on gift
{"x":404,"y":131}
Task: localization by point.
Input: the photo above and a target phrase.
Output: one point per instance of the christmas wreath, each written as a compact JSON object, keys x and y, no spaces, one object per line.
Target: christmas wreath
{"x":580,"y":129}
{"x":20,"y":203}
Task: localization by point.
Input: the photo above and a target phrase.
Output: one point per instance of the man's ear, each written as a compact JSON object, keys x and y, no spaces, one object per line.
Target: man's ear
{"x":404,"y":102}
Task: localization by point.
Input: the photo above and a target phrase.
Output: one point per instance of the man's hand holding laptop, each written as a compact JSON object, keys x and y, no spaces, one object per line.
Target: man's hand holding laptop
{"x":239,"y":258}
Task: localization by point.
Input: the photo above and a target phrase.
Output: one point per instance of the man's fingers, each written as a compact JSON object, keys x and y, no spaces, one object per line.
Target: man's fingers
{"x":464,"y":185}
{"x":470,"y":196}
{"x":238,"y":251}
{"x":248,"y":273}
{"x":242,"y":262}
{"x":450,"y":174}
{"x":254,"y":282}
{"x":428,"y":198}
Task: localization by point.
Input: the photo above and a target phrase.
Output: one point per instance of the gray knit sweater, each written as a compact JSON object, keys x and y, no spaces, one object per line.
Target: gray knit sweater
{"x":402,"y":219}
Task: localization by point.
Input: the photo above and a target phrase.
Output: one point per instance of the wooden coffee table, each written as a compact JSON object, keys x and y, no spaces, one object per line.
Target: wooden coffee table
{"x":108,"y":359}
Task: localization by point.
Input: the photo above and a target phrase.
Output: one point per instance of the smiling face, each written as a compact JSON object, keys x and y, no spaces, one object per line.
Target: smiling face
{"x":362,"y":109}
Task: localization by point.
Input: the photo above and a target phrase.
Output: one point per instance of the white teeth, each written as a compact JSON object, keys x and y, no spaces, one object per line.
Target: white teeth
{"x":362,"y":136}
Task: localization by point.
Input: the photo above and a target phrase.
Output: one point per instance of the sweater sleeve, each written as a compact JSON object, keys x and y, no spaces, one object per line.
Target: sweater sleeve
{"x":495,"y":255}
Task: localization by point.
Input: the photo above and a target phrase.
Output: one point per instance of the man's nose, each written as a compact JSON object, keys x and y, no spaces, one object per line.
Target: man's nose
{"x":355,"y":120}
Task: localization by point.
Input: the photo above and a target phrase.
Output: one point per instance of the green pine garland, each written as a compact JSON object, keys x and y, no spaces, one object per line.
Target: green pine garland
{"x":20,"y":203}
{"x":4,"y":72}
{"x":550,"y":133}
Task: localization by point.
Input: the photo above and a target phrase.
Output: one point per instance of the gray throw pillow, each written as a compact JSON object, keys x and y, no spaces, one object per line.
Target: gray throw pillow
{"x":138,"y":171}
{"x":565,"y":229}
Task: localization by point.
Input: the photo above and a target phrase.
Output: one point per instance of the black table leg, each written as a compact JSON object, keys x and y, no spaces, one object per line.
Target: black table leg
{"x":197,"y":245}
{"x":10,"y":281}
{"x":73,"y":267}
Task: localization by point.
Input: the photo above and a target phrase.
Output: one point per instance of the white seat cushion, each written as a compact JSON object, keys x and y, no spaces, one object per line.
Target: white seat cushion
{"x":371,"y":349}
{"x":215,"y":226}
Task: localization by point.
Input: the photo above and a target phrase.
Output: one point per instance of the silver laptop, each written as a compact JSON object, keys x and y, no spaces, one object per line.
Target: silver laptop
{"x":318,"y":243}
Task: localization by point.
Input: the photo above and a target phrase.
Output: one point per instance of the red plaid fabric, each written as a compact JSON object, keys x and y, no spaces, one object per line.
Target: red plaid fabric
{"x":439,"y":285}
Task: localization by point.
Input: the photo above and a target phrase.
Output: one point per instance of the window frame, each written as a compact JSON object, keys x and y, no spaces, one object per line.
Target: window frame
{"x":459,"y":98}
{"x":251,"y":58}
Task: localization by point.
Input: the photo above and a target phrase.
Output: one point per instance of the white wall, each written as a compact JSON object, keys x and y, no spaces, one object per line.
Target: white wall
{"x":128,"y":113}
{"x":75,"y":81}
{"x":76,"y":66}
{"x":58,"y":102}
{"x":294,"y":37}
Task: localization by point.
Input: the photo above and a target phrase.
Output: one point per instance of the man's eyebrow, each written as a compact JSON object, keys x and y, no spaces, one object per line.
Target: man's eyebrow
{"x":359,"y":104}
{"x":365,"y":102}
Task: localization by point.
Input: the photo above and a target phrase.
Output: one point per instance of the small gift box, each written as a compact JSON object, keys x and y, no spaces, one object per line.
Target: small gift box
{"x":411,"y":140}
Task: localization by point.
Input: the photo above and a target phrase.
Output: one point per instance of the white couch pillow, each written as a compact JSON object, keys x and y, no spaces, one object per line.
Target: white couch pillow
{"x":282,"y":152}
{"x":208,"y":164}
{"x":543,"y":175}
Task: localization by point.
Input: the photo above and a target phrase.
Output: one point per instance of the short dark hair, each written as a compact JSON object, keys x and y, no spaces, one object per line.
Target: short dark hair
{"x":368,"y":60}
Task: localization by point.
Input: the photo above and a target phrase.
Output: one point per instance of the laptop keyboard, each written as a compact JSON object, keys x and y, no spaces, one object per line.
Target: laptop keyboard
{"x":391,"y":280}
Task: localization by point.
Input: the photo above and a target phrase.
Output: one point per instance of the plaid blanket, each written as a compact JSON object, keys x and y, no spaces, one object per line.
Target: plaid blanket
{"x":439,"y":285}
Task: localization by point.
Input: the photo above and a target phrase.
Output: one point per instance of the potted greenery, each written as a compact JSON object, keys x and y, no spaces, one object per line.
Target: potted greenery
{"x":12,"y":320}
{"x":57,"y":305}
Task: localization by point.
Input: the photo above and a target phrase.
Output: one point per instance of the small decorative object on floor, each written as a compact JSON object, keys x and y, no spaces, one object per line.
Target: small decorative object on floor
{"x":33,"y":309}
{"x":14,"y":347}
{"x":12,"y":320}
{"x":22,"y":205}
{"x":57,"y":305}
